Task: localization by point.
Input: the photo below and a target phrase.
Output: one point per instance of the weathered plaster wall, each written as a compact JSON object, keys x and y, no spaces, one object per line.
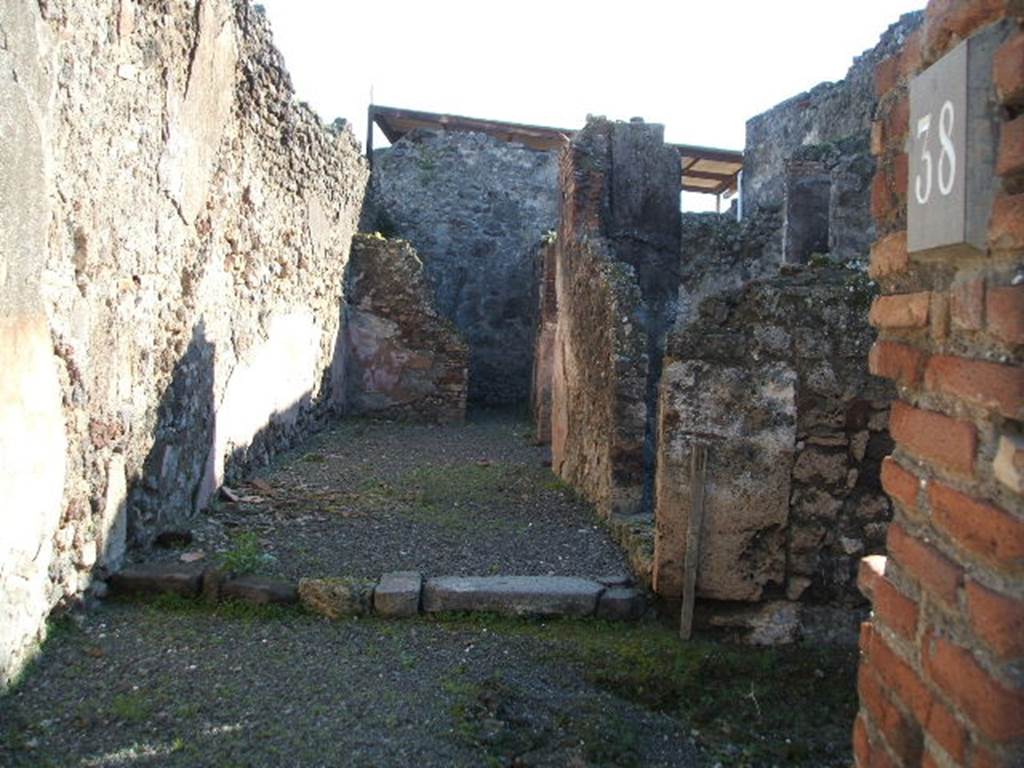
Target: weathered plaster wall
{"x":474,"y":207}
{"x":32,"y":434}
{"x":770,"y":377}
{"x":174,"y":231}
{"x":402,"y":358}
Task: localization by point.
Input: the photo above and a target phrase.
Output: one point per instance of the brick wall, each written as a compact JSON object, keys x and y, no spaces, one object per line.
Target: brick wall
{"x":941,"y":679}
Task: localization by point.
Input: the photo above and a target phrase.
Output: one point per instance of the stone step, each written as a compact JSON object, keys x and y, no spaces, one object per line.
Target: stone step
{"x":158,"y":578}
{"x":398,"y":594}
{"x":259,"y":590}
{"x":512,"y":595}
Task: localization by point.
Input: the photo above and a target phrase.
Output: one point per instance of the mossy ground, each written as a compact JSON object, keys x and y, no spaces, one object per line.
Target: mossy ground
{"x":746,"y":706}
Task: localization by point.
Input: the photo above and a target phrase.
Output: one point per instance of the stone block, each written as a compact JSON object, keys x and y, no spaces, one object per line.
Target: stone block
{"x":749,"y":420}
{"x":621,"y":604}
{"x":158,"y":578}
{"x":398,"y":594}
{"x":774,"y":623}
{"x":615,"y":580}
{"x":259,"y":590}
{"x":337,"y":597}
{"x":512,"y":595}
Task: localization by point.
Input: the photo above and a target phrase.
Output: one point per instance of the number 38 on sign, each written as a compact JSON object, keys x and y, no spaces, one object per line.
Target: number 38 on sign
{"x":952,"y":145}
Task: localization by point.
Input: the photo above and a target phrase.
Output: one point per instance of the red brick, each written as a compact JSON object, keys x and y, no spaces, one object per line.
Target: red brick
{"x":904,"y":310}
{"x":900,"y":484}
{"x":1004,"y":310}
{"x":887,"y":75}
{"x":977,"y":526}
{"x":968,"y":304}
{"x":934,"y":436}
{"x":983,"y":758}
{"x":869,"y":570}
{"x":876,"y":139}
{"x":895,"y":673}
{"x":929,"y":761}
{"x":900,"y":176}
{"x":902,"y":733}
{"x":896,"y":122}
{"x":989,"y":385}
{"x":996,"y":710}
{"x":895,"y":610}
{"x":997,"y":619}
{"x":899,"y":362}
{"x":861,"y":745}
{"x":949,"y":21}
{"x":935,"y":572}
{"x":1006,"y":223}
{"x":925,"y":706}
{"x":881,"y":759}
{"x":889,"y":256}
{"x":1011,"y":148}
{"x":910,"y":58}
{"x":946,"y":730}
{"x":1008,"y":70}
{"x":885,"y":207}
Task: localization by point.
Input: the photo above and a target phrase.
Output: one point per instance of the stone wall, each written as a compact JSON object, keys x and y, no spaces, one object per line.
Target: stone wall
{"x":770,"y":378}
{"x":402,"y":359}
{"x":829,"y":124}
{"x":174,"y":229}
{"x":617,"y":257}
{"x":940,"y":675}
{"x":474,"y":207}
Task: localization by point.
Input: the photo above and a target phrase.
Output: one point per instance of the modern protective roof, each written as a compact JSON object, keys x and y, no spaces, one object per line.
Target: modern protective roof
{"x":702,"y":169}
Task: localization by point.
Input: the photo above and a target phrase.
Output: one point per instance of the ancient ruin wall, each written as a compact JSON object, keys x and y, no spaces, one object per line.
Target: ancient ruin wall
{"x":174,"y":229}
{"x":826,"y":114}
{"x":474,"y":208}
{"x":770,"y":378}
{"x":829,"y":125}
{"x":402,"y":358}
{"x":617,"y":253}
{"x":940,"y":675}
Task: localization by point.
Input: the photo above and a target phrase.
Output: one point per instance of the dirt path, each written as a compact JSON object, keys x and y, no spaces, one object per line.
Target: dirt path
{"x":174,"y":682}
{"x":364,"y":498}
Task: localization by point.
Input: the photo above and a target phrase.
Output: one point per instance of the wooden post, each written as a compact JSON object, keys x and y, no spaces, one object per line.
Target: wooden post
{"x":698,"y":473}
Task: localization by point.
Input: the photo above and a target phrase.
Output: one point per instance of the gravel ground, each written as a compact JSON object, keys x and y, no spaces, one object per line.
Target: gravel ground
{"x":365,"y":497}
{"x":166,"y":685}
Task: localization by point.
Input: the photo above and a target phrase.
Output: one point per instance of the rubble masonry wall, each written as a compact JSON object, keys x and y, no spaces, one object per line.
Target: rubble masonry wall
{"x":174,"y":230}
{"x":474,"y":208}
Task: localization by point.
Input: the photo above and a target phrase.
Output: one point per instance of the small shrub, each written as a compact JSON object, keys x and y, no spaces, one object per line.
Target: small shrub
{"x":245,"y":556}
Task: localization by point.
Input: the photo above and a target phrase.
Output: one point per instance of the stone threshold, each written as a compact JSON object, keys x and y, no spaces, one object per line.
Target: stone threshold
{"x":399,"y":594}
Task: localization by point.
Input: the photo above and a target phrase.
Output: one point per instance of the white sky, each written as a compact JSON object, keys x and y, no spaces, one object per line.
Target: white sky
{"x":701,"y":68}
